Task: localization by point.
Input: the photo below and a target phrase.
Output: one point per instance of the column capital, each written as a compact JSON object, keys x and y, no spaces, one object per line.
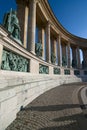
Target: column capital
{"x":48,"y":23}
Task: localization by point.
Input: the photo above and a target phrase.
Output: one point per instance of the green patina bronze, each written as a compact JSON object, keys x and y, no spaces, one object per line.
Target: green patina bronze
{"x":14,"y":62}
{"x":84,"y":64}
{"x":76,"y":72}
{"x":11,"y":23}
{"x":56,"y":70}
{"x":53,"y":58}
{"x":38,"y":49}
{"x":64,"y":61}
{"x":43,"y":69}
{"x":85,"y":72}
{"x":74,"y":63}
{"x":67,"y":72}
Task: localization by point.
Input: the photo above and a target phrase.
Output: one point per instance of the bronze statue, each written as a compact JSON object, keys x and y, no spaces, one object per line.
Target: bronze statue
{"x":38,"y":49}
{"x":53,"y":58}
{"x":11,"y":23}
{"x":74,"y":63}
{"x":64,"y":61}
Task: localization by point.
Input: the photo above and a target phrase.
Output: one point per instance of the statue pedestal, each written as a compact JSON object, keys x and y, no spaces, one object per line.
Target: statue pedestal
{"x":17,"y":40}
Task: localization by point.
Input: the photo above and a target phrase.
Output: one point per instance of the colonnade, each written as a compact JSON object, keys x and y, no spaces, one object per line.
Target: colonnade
{"x":27,"y":13}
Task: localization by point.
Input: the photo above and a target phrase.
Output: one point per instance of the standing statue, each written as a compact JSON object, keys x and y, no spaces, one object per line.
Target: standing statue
{"x":74,"y":63}
{"x":11,"y":23}
{"x":53,"y":58}
{"x":38,"y":49}
{"x":83,"y":64}
{"x":64,"y":61}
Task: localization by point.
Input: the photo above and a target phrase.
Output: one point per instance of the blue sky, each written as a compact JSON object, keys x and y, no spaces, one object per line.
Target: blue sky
{"x":70,"y":13}
{"x":5,"y":6}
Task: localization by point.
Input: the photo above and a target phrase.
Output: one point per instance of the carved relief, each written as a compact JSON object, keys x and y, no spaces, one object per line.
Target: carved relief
{"x":43,"y":69}
{"x":14,"y":62}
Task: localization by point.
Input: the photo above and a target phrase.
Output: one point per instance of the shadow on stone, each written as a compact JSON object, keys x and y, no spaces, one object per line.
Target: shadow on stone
{"x":73,"y":122}
{"x":52,"y":107}
{"x":61,"y":127}
{"x":71,"y":118}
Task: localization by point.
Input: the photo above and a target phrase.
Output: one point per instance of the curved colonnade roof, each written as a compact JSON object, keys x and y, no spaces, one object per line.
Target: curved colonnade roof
{"x":59,"y":29}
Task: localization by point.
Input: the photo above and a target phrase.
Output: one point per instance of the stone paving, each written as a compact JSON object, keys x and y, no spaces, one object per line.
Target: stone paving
{"x":57,"y":109}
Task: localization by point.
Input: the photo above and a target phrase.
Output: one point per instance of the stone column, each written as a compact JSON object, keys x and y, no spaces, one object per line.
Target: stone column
{"x":54,"y":49}
{"x":63,"y":50}
{"x":48,"y":46}
{"x":26,"y":26}
{"x":1,"y":52}
{"x":78,"y":58}
{"x":22,"y":13}
{"x":68,"y":55}
{"x":32,"y":26}
{"x":59,"y":51}
{"x":41,"y":39}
